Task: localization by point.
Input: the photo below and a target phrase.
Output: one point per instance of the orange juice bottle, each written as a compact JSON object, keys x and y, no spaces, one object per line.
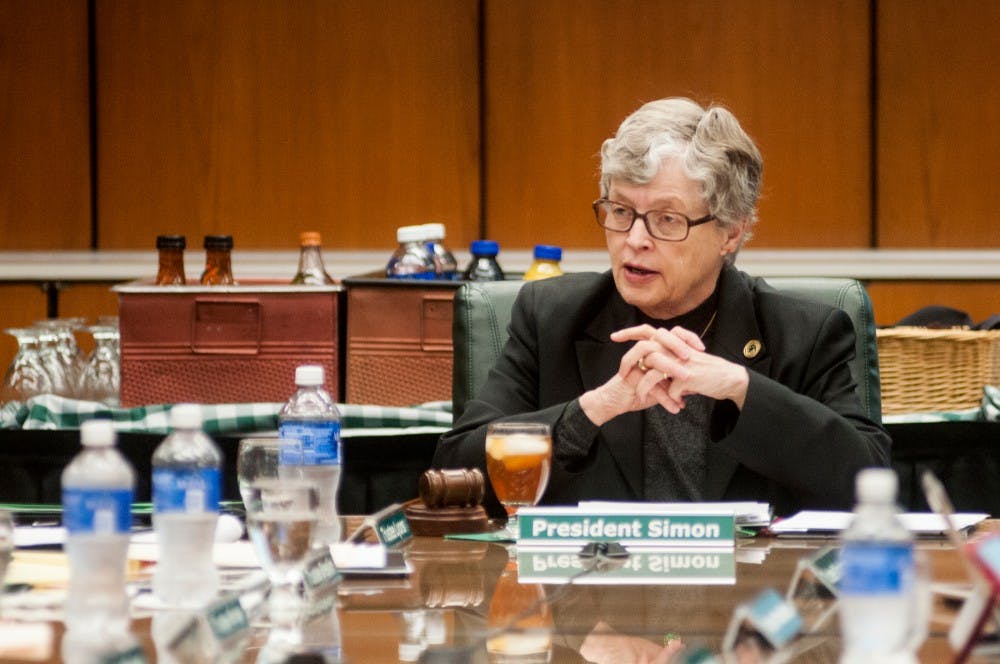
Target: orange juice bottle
{"x":546,"y":263}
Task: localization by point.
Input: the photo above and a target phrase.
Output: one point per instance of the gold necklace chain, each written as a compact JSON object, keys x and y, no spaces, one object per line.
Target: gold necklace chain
{"x":710,"y":321}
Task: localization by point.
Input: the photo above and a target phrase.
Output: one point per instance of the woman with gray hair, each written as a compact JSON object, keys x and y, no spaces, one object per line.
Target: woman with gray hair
{"x":674,"y":376}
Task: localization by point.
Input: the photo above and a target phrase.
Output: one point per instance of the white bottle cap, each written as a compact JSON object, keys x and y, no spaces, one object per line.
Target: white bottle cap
{"x":410,"y":234}
{"x":434,"y":231}
{"x":876,"y":485}
{"x":97,"y":433}
{"x":185,"y":416}
{"x":309,"y":375}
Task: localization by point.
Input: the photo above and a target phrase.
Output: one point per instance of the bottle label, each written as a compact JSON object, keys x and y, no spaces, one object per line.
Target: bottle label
{"x":876,"y":568}
{"x":186,"y":490}
{"x":415,"y":275}
{"x":97,"y":511}
{"x":320,"y":442}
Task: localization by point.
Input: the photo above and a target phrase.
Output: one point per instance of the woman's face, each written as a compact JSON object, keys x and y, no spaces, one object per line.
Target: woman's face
{"x":666,"y":279}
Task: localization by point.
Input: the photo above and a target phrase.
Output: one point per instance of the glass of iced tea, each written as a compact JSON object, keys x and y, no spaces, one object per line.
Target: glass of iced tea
{"x":518,"y":460}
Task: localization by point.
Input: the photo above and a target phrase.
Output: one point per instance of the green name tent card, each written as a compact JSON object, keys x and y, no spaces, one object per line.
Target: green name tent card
{"x":548,"y":526}
{"x":677,"y":566}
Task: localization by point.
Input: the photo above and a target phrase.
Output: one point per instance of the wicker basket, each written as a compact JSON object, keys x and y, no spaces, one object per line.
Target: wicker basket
{"x":925,"y":370}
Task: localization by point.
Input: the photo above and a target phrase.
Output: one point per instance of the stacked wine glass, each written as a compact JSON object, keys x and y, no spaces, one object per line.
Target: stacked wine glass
{"x":48,"y":361}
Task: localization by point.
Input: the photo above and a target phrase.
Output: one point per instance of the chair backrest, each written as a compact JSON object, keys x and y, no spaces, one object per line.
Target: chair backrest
{"x":482,"y":314}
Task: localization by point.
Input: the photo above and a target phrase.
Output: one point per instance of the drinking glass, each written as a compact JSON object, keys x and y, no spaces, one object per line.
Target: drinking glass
{"x":520,"y":621}
{"x":100,"y":379}
{"x":26,"y":377}
{"x":518,"y":460}
{"x":281,"y":518}
{"x":68,"y":353}
{"x":266,"y":459}
{"x":49,"y":357}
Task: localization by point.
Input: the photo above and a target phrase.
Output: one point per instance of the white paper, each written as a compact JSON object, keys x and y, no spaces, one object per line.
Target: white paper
{"x":919,"y":523}
{"x":746,"y":512}
{"x":39,"y":536}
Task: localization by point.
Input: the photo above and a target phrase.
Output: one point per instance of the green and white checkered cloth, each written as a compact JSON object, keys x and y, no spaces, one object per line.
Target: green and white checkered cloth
{"x":53,"y":412}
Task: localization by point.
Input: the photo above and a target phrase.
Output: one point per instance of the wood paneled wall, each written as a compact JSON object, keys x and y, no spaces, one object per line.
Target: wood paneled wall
{"x":44,"y":125}
{"x":938,"y":123}
{"x":562,"y":74}
{"x":261,"y":118}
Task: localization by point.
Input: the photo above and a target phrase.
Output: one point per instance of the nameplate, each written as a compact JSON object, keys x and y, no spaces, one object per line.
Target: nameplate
{"x":393,"y":529}
{"x":131,"y":655}
{"x":226,"y":618}
{"x":681,"y":566}
{"x":820,"y":570}
{"x":319,"y":573}
{"x":547,"y":526}
{"x":389,"y":526}
{"x":768,"y":614}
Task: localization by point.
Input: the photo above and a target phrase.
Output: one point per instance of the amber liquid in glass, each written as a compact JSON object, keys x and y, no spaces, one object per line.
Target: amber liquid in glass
{"x":171,"y":268}
{"x":528,"y":638}
{"x":518,"y":466}
{"x":218,"y":268}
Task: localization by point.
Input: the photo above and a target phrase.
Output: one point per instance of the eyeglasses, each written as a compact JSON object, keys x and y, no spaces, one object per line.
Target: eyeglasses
{"x":661,"y":224}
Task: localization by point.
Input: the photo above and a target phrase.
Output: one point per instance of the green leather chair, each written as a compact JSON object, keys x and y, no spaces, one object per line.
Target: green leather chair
{"x":482,"y":314}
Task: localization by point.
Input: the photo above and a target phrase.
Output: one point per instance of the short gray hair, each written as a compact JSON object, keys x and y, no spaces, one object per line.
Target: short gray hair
{"x":710,"y":144}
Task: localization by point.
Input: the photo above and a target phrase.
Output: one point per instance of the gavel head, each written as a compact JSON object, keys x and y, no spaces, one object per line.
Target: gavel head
{"x":456,"y":487}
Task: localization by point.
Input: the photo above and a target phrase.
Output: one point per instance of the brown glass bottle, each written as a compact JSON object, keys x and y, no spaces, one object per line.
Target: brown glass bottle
{"x":218,"y":268}
{"x":171,"y":251}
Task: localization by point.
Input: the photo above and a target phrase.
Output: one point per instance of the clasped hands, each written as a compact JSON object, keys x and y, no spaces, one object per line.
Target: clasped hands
{"x":662,"y":368}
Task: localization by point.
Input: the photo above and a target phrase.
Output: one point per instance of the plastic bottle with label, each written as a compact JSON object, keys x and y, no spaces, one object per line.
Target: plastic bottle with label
{"x":186,"y":490}
{"x":445,"y":265}
{"x":97,"y":490}
{"x":546,"y":263}
{"x":311,"y":417}
{"x":218,"y":261}
{"x":878,"y":597}
{"x":484,"y":265}
{"x":311,"y":271}
{"x":411,"y":260}
{"x":170,"y":249}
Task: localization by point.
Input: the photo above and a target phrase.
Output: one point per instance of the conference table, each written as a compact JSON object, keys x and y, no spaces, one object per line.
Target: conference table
{"x":441,"y":610}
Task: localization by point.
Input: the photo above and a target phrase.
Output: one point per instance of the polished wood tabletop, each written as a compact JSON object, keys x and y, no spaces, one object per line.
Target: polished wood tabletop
{"x":445,"y":609}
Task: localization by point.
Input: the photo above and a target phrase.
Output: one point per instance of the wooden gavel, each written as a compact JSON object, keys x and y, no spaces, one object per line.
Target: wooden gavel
{"x":460,"y":487}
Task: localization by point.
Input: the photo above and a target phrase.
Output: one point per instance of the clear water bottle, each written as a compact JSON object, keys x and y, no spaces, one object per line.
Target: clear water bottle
{"x":311,"y":417}
{"x":484,"y":265}
{"x":445,"y":264}
{"x":97,"y":489}
{"x":311,"y":270}
{"x":879,"y":603}
{"x":186,"y":488}
{"x":546,"y":263}
{"x":411,"y":260}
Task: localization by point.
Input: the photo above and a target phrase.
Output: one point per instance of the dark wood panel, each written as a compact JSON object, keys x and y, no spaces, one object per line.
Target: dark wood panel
{"x":893,"y":300}
{"x":939,"y":123}
{"x":261,"y":119}
{"x":561,"y":75}
{"x":44,"y":125}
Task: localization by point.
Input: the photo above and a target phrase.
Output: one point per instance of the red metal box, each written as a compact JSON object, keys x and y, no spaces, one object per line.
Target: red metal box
{"x":399,"y":349}
{"x":225,"y":344}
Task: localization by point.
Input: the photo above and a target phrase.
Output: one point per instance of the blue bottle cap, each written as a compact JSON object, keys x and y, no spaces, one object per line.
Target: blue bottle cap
{"x":484,"y":248}
{"x":548,"y":252}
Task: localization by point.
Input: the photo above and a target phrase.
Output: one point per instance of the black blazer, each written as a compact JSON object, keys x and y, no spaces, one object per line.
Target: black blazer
{"x":798,"y":442}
